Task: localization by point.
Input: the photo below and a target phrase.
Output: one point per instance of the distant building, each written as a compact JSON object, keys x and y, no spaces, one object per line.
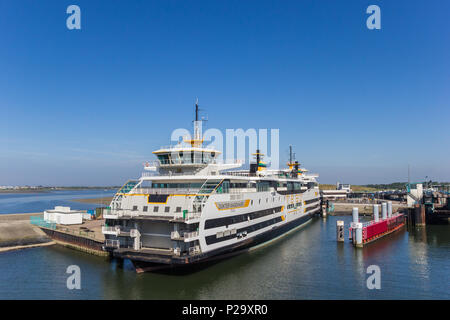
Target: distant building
{"x":63,"y":215}
{"x":341,"y":192}
{"x":342,"y":186}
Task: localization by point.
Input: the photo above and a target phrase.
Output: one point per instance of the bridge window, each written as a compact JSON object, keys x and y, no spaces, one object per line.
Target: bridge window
{"x":163,"y":158}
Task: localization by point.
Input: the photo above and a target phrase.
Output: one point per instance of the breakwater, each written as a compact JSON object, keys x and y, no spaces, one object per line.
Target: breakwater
{"x":16,"y":232}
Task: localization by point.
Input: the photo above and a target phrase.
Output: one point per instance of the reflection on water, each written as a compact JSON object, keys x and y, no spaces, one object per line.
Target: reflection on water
{"x":308,"y":264}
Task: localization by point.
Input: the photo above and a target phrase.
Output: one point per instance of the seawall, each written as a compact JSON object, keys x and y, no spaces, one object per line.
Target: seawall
{"x":365,"y":209}
{"x":16,"y":232}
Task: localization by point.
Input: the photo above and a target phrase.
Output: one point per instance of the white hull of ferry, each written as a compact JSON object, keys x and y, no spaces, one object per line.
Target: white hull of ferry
{"x":189,"y":208}
{"x":229,"y":224}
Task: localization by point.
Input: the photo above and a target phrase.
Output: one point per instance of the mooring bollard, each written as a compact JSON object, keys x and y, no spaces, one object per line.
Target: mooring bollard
{"x":340,"y":231}
{"x":376,"y":215}
{"x":324,"y":210}
{"x":389,"y":209}
{"x":358,"y":232}
{"x":384,"y":211}
{"x":355,"y":215}
{"x":356,"y":228}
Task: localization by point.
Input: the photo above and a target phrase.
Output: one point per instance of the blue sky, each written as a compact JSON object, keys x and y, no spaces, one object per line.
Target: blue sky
{"x":87,"y":107}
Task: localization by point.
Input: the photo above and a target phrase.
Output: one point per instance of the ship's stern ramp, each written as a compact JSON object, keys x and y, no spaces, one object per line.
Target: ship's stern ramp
{"x":156,"y":234}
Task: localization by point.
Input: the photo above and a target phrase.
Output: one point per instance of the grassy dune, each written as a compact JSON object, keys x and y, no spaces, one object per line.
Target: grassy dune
{"x":354,"y":188}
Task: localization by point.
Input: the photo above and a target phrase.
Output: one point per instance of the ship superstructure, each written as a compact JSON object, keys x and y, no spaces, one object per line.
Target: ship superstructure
{"x":188,"y":207}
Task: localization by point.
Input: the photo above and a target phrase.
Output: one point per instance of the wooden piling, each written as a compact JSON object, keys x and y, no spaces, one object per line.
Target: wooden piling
{"x":419,"y":215}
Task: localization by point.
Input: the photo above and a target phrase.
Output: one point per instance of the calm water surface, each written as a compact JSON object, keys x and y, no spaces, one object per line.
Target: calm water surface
{"x":308,"y":264}
{"x":38,"y":202}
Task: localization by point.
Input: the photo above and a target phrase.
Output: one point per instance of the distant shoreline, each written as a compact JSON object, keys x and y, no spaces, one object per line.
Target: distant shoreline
{"x":24,"y":191}
{"x":102,"y":201}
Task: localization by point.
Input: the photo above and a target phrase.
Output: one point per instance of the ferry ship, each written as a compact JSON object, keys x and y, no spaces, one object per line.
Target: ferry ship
{"x":189,"y":208}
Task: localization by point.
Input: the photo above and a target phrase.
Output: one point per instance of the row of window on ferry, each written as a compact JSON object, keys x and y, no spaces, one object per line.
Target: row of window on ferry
{"x":156,"y":209}
{"x":259,"y":185}
{"x":187,"y":157}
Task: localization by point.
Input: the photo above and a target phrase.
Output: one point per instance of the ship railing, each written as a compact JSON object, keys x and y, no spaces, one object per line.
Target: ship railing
{"x":115,"y":230}
{"x":194,"y":250}
{"x":109,"y":243}
{"x":175,"y":235}
{"x":118,"y":213}
{"x":190,"y":235}
{"x":368,"y":223}
{"x":188,"y":216}
{"x":166,"y":191}
{"x":236,"y":173}
{"x":240,"y":190}
{"x":310,"y":175}
{"x":40,"y":222}
{"x":193,"y":215}
{"x":180,"y":235}
{"x":110,"y":229}
{"x":152,"y":174}
{"x":148,"y":174}
{"x":189,"y":161}
{"x":134,"y":233}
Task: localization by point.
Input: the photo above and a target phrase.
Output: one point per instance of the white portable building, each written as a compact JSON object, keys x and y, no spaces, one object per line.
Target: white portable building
{"x":63,"y":215}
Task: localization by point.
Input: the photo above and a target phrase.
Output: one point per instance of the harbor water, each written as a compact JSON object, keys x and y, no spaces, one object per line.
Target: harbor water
{"x":306,"y":264}
{"x":40,"y":201}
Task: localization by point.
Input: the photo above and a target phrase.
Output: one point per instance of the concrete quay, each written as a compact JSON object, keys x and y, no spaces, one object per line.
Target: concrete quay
{"x":16,"y":232}
{"x":365,"y":209}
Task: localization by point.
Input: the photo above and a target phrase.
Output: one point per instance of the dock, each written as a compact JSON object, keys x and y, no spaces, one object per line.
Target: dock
{"x":30,"y":230}
{"x":361,"y":234}
{"x":86,"y":237}
{"x":427,"y":206}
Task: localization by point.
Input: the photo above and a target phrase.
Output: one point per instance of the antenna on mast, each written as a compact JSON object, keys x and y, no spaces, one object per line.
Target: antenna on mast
{"x":196,"y":140}
{"x":196,"y":109}
{"x":290,"y":154}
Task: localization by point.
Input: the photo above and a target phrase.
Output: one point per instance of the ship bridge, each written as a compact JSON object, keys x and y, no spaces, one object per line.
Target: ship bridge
{"x":180,"y":156}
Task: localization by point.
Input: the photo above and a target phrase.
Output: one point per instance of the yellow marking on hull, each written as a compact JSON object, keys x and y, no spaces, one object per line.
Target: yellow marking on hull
{"x":244,"y":206}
